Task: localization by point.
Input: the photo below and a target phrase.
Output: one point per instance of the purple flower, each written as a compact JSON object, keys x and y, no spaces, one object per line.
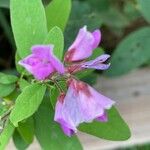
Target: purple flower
{"x":80,"y":104}
{"x":97,"y":63}
{"x":83,"y":45}
{"x":42,"y":62}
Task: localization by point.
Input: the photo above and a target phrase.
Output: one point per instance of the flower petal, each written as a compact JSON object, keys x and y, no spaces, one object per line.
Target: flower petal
{"x":97,"y":36}
{"x":97,"y":63}
{"x":81,"y":104}
{"x":102,"y":118}
{"x":57,"y":64}
{"x":83,"y":45}
{"x":42,"y":62}
{"x":62,"y":117}
{"x":67,"y":131}
{"x":42,"y":51}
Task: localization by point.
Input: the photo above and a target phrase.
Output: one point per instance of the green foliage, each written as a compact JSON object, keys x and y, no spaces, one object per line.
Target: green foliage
{"x":19,"y":142}
{"x":144,"y":8}
{"x":26,"y":130}
{"x":131,"y":53}
{"x":23,"y":83}
{"x":27,"y":103}
{"x":7,"y":79}
{"x":6,"y":89}
{"x":54,"y":93}
{"x":28,"y":23}
{"x":4,"y":3}
{"x":115,"y":129}
{"x":6,"y":135}
{"x":57,"y":13}
{"x":48,"y":132}
{"x":55,"y":37}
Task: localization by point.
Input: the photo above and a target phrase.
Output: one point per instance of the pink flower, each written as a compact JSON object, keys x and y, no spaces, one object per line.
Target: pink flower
{"x":83,"y":45}
{"x":80,"y":104}
{"x":42,"y":62}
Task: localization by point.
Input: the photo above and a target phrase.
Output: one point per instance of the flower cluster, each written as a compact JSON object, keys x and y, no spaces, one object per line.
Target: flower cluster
{"x":81,"y":103}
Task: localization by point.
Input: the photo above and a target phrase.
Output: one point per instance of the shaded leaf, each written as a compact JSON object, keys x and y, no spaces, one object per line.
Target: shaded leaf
{"x":26,"y":130}
{"x":144,"y":8}
{"x":7,"y":79}
{"x":115,"y":129}
{"x":19,"y":142}
{"x":6,"y":89}
{"x":4,"y":3}
{"x":132,"y":52}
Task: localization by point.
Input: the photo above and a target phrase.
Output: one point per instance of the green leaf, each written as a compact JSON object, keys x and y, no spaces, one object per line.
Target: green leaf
{"x":57,"y":13}
{"x":27,"y":103}
{"x":19,"y":142}
{"x":4,"y":3}
{"x":6,"y":135}
{"x":26,"y":130}
{"x":55,"y":37}
{"x":23,"y":84}
{"x":6,"y":89}
{"x":19,"y":68}
{"x":144,"y":8}
{"x":28,"y":23}
{"x":48,"y":132}
{"x":131,"y":53}
{"x":115,"y":129}
{"x":54,"y":93}
{"x":7,"y":79}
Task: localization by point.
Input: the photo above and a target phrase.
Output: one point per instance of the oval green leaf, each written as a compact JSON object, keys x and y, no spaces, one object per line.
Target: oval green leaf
{"x":6,"y":135}
{"x":7,"y":79}
{"x":28,"y":23}
{"x":57,"y":13}
{"x":27,"y":103}
{"x":131,"y":53}
{"x":55,"y":37}
{"x":6,"y":89}
{"x":144,"y":8}
{"x":115,"y":129}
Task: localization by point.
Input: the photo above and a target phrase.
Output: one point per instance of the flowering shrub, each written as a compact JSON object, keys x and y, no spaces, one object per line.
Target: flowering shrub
{"x":48,"y":100}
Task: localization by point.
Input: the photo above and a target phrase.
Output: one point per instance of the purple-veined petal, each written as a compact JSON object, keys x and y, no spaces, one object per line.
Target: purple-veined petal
{"x":80,"y":104}
{"x":63,"y":118}
{"x":83,"y":45}
{"x":97,"y":63}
